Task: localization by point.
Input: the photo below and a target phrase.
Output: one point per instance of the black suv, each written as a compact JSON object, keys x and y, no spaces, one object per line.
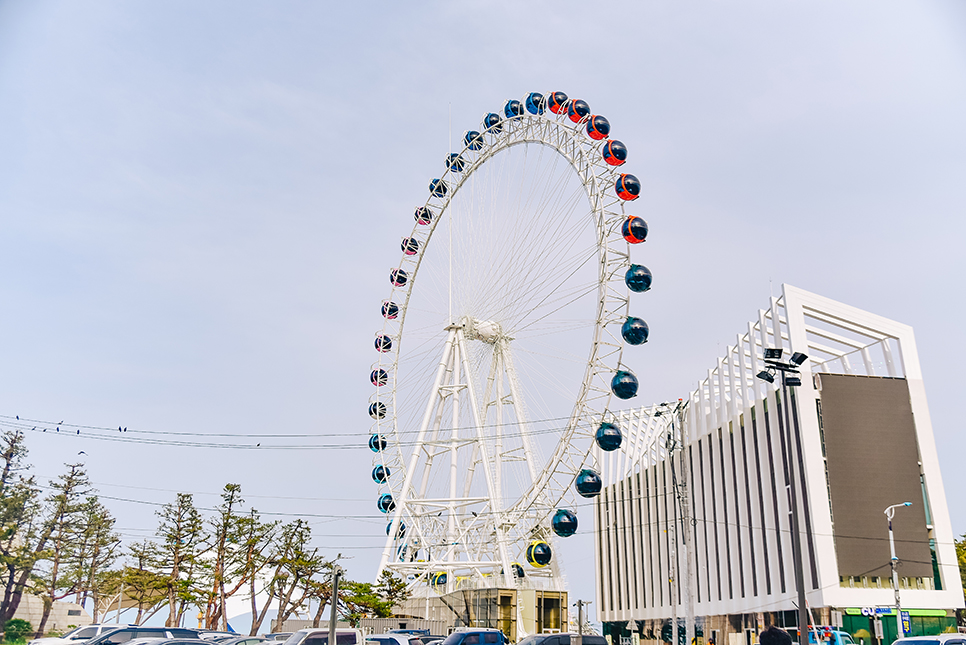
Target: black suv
{"x":124,"y":634}
{"x":476,"y":637}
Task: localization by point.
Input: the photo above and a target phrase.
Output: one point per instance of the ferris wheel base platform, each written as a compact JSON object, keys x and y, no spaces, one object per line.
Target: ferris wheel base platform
{"x":516,"y":611}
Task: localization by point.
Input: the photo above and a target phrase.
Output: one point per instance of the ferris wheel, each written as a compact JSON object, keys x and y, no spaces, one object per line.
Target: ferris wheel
{"x":500,"y":354}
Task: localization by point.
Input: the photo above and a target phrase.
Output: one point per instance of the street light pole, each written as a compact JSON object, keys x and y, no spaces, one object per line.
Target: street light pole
{"x":889,"y":512}
{"x":795,"y":523}
{"x":580,"y":622}
{"x":790,"y":378}
{"x":334,"y":605}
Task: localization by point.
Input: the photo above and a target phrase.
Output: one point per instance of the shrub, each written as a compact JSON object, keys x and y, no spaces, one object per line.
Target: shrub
{"x":16,"y":629}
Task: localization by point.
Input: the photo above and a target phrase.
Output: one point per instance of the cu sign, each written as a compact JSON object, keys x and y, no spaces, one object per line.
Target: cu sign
{"x":873,"y":612}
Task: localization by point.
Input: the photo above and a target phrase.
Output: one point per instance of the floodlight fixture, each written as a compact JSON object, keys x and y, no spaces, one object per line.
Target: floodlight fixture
{"x":773,"y":354}
{"x":798,"y":358}
{"x":793,"y":380}
{"x":765,"y":375}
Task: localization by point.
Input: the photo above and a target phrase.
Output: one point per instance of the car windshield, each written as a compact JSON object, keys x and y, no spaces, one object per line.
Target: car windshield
{"x":81,"y":633}
{"x":295,"y":638}
{"x":453,"y":638}
{"x":531,"y":640}
{"x":919,"y":641}
{"x":847,"y":639}
{"x":106,"y":635}
{"x":323,"y":639}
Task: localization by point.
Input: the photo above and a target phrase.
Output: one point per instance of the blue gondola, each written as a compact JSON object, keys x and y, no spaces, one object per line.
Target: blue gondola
{"x":513,"y":108}
{"x":493,"y":122}
{"x":628,"y":187}
{"x":588,"y":483}
{"x":624,"y":385}
{"x":557,"y":102}
{"x":517,"y":569}
{"x":638,"y":278}
{"x":438,"y":579}
{"x":608,"y":437}
{"x":473,"y":139}
{"x":539,"y":554}
{"x":438,"y":188}
{"x":634,"y":331}
{"x":379,"y":377}
{"x":386,"y":503}
{"x":535,"y":103}
{"x":400,"y":532}
{"x":377,"y":410}
{"x":383,"y":343}
{"x":455,"y":162}
{"x":564,"y":523}
{"x":423,"y":216}
{"x":577,"y":110}
{"x":614,"y":153}
{"x":377,"y":443}
{"x":634,"y":229}
{"x":409,"y":245}
{"x":380,"y":474}
{"x":598,"y":127}
{"x":390,"y":310}
{"x":398,"y":277}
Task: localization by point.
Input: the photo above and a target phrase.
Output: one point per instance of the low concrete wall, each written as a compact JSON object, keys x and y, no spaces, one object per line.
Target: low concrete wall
{"x":63,"y":615}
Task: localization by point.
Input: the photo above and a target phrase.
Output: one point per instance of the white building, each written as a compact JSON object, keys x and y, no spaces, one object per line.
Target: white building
{"x":862,"y":441}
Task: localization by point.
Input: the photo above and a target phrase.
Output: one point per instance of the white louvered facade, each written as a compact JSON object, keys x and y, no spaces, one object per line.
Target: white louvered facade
{"x":732,"y":439}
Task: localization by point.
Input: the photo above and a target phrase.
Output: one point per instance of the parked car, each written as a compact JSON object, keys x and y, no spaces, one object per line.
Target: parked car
{"x":938,"y":639}
{"x":829,"y":636}
{"x":77,"y":635}
{"x":241,"y":640}
{"x":320,"y":636}
{"x":124,"y":634}
{"x":393,"y":639}
{"x":166,"y":641}
{"x":561,"y":639}
{"x":215,"y":635}
{"x":475,"y":636}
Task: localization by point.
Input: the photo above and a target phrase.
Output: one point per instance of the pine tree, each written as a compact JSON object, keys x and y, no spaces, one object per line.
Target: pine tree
{"x":182,"y":535}
{"x":21,"y":537}
{"x":95,"y":552}
{"x":63,"y":527}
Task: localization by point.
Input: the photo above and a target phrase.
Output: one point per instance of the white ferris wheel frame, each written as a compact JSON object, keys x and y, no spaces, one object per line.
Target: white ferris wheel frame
{"x":527,"y":518}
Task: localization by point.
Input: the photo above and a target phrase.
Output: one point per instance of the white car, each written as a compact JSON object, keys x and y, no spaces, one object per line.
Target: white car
{"x":320,"y":636}
{"x":393,"y":639}
{"x":938,"y":639}
{"x":76,"y":635}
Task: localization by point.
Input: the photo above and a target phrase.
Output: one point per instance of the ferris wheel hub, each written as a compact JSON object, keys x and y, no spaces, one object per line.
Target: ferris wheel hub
{"x":489,"y":331}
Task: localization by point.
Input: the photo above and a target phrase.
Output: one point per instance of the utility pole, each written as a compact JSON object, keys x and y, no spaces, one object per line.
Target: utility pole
{"x":672,"y":531}
{"x":681,"y":495}
{"x":334,"y":604}
{"x":686,"y":534}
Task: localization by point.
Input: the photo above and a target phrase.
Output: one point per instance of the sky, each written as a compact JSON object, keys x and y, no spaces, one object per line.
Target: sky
{"x":199,"y":204}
